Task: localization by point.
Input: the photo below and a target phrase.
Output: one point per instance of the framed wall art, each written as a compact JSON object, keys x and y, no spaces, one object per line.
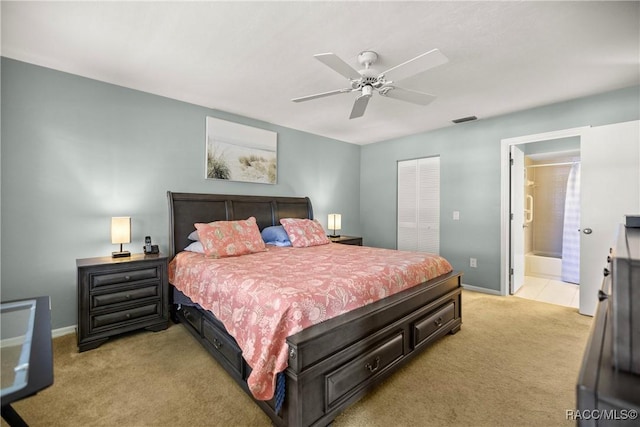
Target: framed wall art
{"x":242,"y":153}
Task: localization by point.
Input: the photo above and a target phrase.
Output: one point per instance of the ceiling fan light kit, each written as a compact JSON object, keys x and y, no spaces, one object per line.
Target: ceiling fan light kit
{"x":368,"y":80}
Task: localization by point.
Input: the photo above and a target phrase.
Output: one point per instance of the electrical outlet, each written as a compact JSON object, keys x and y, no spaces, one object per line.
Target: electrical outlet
{"x":456,"y":215}
{"x":473,"y":262}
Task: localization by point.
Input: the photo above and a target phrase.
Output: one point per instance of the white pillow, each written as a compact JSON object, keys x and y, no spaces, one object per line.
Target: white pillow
{"x":195,"y":247}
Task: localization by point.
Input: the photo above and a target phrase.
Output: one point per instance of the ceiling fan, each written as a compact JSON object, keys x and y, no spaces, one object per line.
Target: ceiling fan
{"x":368,"y":80}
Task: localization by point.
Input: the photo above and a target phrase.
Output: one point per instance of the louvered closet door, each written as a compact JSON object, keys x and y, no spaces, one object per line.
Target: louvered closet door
{"x":419,"y":205}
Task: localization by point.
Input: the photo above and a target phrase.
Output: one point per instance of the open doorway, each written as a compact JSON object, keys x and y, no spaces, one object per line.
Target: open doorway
{"x":551,"y":211}
{"x":533,"y":222}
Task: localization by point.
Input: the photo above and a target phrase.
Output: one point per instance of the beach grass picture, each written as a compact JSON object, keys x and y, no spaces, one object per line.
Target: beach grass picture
{"x":238,"y":152}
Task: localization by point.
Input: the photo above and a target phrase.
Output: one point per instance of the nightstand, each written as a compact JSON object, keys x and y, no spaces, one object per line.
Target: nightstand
{"x":347,"y":240}
{"x":118,"y":295}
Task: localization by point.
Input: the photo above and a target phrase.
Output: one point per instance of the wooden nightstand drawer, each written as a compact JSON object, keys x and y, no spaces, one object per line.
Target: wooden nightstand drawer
{"x":117,"y":295}
{"x":132,"y":314}
{"x":124,"y":276}
{"x":102,"y":300}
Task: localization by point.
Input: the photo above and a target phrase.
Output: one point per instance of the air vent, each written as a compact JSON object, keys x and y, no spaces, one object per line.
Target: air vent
{"x":465,"y":119}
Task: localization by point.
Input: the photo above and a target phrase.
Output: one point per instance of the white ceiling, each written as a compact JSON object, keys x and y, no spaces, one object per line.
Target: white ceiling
{"x":251,"y":58}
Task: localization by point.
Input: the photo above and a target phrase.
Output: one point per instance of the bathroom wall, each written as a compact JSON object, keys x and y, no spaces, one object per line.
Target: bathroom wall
{"x":540,"y":187}
{"x":549,"y":194}
{"x":528,"y":192}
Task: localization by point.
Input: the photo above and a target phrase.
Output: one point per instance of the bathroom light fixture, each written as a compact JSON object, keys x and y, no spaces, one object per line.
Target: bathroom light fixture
{"x":334,"y":223}
{"x":120,"y":233}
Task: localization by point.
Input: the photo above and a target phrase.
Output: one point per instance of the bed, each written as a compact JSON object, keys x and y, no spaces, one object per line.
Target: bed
{"x":331,"y":364}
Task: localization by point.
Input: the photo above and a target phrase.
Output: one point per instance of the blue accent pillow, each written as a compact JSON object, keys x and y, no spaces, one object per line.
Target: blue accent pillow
{"x":275,"y":235}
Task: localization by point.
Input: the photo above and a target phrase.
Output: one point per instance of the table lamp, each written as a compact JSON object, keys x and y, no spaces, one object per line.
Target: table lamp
{"x":120,"y":233}
{"x":334,"y":223}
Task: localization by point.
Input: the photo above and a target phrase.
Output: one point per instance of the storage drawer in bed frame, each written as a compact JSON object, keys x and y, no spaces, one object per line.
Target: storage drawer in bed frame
{"x":426,"y":328}
{"x":193,"y":316}
{"x":214,"y":337}
{"x":223,"y":344}
{"x":345,"y":380}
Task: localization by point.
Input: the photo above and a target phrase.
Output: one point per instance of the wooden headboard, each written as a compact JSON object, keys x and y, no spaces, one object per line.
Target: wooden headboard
{"x":185,"y":209}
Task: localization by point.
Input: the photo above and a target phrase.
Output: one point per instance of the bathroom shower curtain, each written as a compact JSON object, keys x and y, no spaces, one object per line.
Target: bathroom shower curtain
{"x":571,"y":229}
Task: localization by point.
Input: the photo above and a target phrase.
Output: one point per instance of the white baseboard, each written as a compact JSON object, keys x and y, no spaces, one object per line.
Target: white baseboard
{"x":12,"y":342}
{"x":479,"y":289}
{"x":63,"y":331}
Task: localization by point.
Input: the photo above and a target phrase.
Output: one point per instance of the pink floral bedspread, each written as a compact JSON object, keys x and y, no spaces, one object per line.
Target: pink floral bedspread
{"x":263,"y":298}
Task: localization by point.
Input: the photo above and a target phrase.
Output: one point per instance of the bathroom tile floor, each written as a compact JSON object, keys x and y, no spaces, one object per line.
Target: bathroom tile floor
{"x":551,"y":291}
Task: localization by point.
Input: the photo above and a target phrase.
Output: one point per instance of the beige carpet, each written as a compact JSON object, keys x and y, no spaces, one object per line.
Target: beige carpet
{"x":515,"y":362}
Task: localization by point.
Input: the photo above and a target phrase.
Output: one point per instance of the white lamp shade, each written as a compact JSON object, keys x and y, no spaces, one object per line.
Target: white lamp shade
{"x":120,"y":230}
{"x":334,"y":222}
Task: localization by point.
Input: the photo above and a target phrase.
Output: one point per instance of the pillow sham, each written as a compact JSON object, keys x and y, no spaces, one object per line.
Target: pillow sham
{"x":193,"y":236}
{"x":304,"y":232}
{"x":222,"y":239}
{"x":195,"y":247}
{"x":275,"y":235}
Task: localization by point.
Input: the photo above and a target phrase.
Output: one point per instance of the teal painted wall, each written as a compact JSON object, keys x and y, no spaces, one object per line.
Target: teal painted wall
{"x":76,"y":152}
{"x":470,"y":176}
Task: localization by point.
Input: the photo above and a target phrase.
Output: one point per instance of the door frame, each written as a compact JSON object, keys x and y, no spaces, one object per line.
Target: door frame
{"x":517,"y":180}
{"x":505,"y":192}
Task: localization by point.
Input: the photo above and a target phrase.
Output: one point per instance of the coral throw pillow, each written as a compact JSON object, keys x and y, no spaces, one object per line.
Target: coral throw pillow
{"x":230,"y":238}
{"x":304,"y":232}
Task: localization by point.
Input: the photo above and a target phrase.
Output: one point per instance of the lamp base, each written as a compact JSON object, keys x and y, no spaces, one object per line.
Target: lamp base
{"x":334,"y":236}
{"x":120,"y":254}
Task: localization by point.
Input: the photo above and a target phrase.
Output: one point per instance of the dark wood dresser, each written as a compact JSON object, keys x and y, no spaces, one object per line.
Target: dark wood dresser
{"x":117,"y":295}
{"x":608,"y":389}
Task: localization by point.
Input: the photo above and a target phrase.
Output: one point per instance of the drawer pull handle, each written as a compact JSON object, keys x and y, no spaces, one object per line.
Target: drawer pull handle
{"x":127,"y":277}
{"x":438,"y":322}
{"x":373,"y":368}
{"x":127,"y":296}
{"x":217,"y":344}
{"x":128,"y":315}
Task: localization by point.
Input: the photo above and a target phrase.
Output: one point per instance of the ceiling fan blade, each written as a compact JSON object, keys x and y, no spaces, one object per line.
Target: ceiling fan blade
{"x":321,"y":95}
{"x":420,"y":63}
{"x":334,"y":62}
{"x":407,"y":95}
{"x":359,"y":106}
